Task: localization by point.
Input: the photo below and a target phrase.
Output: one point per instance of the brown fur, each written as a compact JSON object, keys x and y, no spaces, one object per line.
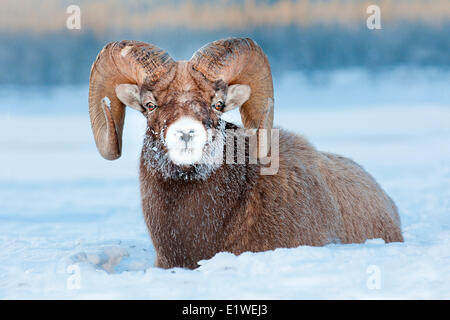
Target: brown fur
{"x":315,"y":198}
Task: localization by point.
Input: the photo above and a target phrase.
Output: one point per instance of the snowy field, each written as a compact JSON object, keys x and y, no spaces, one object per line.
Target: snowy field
{"x":71,"y":225}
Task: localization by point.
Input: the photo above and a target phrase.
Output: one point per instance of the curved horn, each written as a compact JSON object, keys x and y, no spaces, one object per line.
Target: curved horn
{"x":238,"y":60}
{"x":118,"y":63}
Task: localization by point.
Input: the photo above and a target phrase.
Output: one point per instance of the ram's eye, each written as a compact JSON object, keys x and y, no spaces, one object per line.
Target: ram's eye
{"x":219,"y":105}
{"x":150,"y":106}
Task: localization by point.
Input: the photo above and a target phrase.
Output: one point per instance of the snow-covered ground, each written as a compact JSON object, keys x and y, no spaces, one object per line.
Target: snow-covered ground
{"x":71,"y":224}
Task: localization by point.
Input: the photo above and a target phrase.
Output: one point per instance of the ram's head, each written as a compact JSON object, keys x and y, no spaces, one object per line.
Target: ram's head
{"x":182,"y":100}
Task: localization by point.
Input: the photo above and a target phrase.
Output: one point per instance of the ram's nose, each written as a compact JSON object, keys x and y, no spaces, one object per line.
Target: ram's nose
{"x":186,"y":135}
{"x":185,"y":139}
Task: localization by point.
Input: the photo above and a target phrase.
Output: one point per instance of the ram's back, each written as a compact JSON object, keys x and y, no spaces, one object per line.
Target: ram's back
{"x":314,"y":199}
{"x":367,"y":211}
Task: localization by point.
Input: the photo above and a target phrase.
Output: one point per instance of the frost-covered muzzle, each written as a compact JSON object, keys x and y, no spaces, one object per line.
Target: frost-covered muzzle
{"x":186,"y":149}
{"x":185,"y":140}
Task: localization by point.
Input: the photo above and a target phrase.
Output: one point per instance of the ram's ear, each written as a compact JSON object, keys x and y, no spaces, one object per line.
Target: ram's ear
{"x":129,"y":94}
{"x":237,"y":95}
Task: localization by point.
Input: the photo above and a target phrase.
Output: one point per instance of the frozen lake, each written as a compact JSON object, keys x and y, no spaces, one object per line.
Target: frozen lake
{"x":71,"y":224}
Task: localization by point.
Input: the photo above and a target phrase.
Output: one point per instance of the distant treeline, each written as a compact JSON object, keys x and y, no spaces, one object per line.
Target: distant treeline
{"x":65,"y":57}
{"x":138,"y":15}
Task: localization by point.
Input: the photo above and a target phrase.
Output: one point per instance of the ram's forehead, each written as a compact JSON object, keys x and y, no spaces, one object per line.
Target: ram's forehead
{"x":195,"y":107}
{"x":187,"y":86}
{"x":186,"y":96}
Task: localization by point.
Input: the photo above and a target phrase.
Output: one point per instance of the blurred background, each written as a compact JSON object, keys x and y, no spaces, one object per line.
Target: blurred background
{"x":308,"y":36}
{"x":378,"y":96}
{"x":312,"y":37}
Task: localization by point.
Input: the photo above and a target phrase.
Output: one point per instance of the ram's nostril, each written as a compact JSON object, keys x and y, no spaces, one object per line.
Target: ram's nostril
{"x":185,"y":136}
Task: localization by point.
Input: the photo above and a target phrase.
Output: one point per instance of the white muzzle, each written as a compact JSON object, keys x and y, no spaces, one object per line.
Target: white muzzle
{"x":185,"y":139}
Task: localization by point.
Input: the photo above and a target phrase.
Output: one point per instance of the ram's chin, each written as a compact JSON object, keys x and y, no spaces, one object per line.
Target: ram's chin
{"x":186,"y":165}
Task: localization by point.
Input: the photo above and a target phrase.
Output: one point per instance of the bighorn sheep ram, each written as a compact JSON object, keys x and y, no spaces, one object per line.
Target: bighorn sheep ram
{"x":195,"y":206}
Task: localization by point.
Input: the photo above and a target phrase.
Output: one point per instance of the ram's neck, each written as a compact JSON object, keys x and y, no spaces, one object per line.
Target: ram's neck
{"x":190,"y":219}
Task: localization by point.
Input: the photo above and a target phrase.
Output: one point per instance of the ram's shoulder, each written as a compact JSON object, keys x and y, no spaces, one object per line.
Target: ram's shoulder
{"x":296,"y":150}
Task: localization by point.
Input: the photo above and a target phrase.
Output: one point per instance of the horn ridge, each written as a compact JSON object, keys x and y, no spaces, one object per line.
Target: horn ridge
{"x":241,"y":60}
{"x":119,"y":62}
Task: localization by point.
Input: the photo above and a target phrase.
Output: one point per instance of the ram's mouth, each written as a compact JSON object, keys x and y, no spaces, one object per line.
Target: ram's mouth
{"x":187,"y":151}
{"x":185,"y":156}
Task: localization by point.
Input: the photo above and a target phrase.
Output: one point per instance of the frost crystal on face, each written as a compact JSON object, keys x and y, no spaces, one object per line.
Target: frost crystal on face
{"x":156,"y":157}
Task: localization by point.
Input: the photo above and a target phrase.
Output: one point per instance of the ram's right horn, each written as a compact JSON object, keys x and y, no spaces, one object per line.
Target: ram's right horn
{"x":124,"y":62}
